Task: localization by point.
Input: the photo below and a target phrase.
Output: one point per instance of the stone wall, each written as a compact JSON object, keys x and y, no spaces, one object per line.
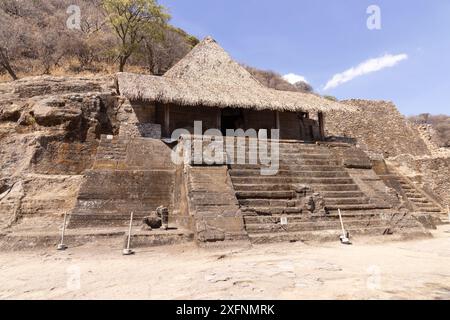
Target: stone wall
{"x":432,"y":174}
{"x":378,"y":127}
{"x":129,"y":175}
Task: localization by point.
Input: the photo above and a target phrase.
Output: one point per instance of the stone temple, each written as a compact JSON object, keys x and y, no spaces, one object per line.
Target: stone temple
{"x":317,"y":174}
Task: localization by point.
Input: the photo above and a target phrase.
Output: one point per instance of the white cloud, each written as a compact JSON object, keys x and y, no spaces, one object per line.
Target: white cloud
{"x":294,"y":78}
{"x":368,"y":66}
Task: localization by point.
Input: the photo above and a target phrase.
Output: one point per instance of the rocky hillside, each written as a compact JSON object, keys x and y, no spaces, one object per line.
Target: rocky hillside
{"x":49,"y":131}
{"x":378,"y":127}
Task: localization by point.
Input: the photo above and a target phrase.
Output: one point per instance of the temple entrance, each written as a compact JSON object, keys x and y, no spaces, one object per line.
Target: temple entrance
{"x":231,"y":119}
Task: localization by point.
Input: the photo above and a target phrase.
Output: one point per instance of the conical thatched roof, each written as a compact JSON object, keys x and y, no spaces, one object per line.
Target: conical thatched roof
{"x":208,"y":76}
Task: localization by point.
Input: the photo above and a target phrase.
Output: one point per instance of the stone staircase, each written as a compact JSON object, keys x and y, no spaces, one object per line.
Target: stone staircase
{"x":267,"y":201}
{"x":419,"y":201}
{"x":416,"y":199}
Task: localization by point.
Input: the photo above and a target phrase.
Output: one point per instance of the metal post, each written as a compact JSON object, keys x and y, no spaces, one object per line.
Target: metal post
{"x":342,"y":223}
{"x":344,"y":238}
{"x":127,"y":251}
{"x":61,"y":245}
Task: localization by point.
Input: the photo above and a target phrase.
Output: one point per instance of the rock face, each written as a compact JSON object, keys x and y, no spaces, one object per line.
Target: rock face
{"x":49,"y":133}
{"x":381,"y":130}
{"x":378,"y":127}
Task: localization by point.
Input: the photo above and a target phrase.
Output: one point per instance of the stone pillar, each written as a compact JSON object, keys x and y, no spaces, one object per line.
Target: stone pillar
{"x":167,"y":120}
{"x":277,"y":120}
{"x":321,"y":119}
{"x":219,"y":119}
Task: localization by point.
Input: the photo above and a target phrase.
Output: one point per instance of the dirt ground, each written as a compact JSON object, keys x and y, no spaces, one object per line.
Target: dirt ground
{"x":418,"y":269}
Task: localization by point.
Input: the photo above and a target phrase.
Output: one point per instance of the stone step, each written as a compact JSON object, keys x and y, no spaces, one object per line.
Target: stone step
{"x":312,"y":156}
{"x":282,"y":166}
{"x":309,"y":174}
{"x":348,"y":213}
{"x":327,"y":180}
{"x":342,"y":194}
{"x":267,"y":202}
{"x":262,"y":187}
{"x":276,"y":218}
{"x":265,"y":194}
{"x":420,"y":200}
{"x":319,"y":152}
{"x":307,"y":162}
{"x":368,"y":206}
{"x":310,"y":217}
{"x":212,"y":200}
{"x":346,"y":201}
{"x":322,"y":235}
{"x":285,"y":161}
{"x":336,"y":187}
{"x":313,"y":226}
{"x":297,"y":168}
{"x":264,"y":211}
{"x":280,"y":144}
{"x":406,"y":185}
{"x":425,"y":204}
{"x":281,"y":151}
{"x":267,"y":180}
{"x":413,"y":195}
{"x":279,"y":180}
{"x":429,"y":209}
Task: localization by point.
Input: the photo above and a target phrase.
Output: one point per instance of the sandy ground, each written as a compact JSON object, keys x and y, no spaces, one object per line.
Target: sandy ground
{"x":418,"y":269}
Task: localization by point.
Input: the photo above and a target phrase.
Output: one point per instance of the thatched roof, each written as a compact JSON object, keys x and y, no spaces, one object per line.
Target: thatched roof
{"x":208,"y":76}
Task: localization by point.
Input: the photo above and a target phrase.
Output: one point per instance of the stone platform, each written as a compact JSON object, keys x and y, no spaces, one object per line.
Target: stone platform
{"x":235,"y":202}
{"x":117,"y":237}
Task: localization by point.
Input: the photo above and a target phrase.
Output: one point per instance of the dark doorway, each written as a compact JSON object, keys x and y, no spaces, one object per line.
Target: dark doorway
{"x":231,"y":119}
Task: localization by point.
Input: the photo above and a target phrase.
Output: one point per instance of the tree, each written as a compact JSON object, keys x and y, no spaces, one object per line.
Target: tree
{"x":331,"y":98}
{"x":162,"y":55}
{"x":132,"y":22}
{"x":302,"y":86}
{"x":10,"y":41}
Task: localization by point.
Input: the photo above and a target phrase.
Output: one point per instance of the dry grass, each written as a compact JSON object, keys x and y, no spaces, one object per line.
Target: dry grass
{"x":71,"y":68}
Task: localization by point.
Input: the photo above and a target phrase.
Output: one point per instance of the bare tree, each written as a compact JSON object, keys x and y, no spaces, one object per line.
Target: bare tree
{"x":34,"y":36}
{"x":11,"y":43}
{"x":160,"y":56}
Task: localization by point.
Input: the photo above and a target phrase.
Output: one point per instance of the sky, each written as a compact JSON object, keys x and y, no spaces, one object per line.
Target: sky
{"x":403,"y":57}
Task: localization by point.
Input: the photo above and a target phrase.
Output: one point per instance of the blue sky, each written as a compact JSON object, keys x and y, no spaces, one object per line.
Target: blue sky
{"x":321,"y":38}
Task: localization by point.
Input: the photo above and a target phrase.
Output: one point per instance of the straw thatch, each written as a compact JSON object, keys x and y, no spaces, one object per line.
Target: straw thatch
{"x":208,"y":76}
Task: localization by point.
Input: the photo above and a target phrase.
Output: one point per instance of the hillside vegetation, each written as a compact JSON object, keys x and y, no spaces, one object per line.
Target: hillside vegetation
{"x":136,"y":35}
{"x":101,"y":44}
{"x":37,"y":37}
